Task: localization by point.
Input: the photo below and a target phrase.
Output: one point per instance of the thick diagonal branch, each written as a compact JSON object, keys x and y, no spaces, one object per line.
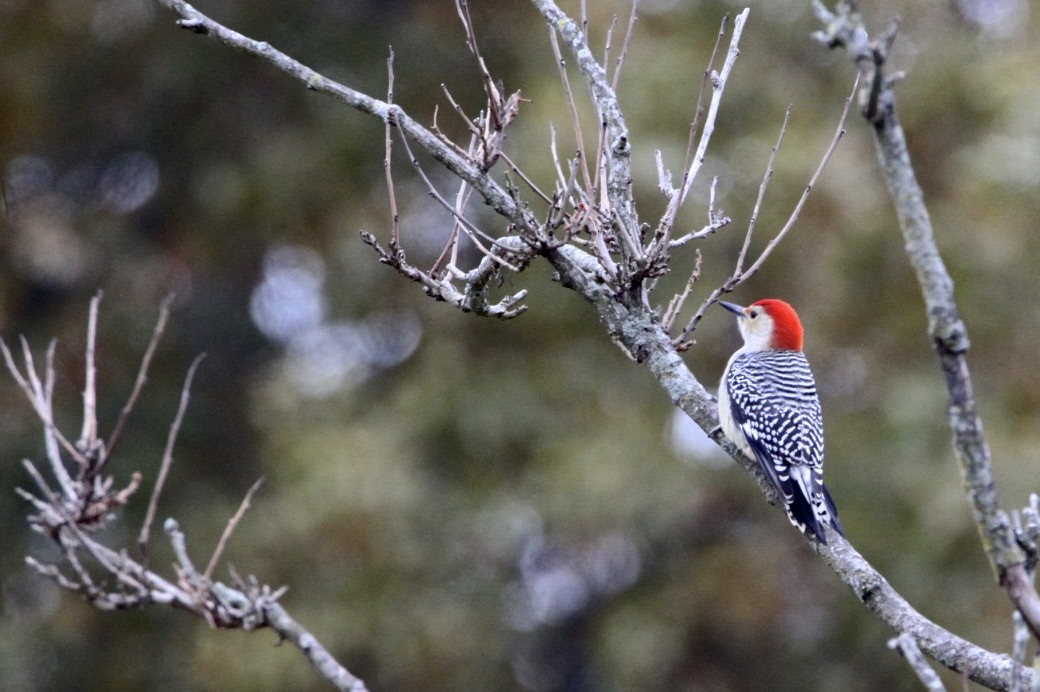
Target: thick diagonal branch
{"x":637,"y":329}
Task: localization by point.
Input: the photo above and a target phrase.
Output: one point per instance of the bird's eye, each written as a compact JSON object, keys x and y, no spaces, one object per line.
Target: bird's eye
{"x":753,"y":314}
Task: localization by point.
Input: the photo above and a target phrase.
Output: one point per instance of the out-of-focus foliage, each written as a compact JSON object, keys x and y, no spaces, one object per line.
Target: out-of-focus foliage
{"x":464,"y":504}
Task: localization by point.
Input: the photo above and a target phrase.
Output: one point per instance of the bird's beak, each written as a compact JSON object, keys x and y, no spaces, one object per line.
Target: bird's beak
{"x":732,"y":307}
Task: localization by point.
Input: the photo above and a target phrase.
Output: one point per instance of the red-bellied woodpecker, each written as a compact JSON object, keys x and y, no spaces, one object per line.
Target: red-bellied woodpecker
{"x":769,"y":408}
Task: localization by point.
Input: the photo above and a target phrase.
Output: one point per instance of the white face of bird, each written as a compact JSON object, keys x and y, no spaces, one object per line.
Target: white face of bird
{"x":755,"y":324}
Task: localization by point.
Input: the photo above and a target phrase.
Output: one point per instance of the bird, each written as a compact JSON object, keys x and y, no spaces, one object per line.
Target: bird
{"x":769,"y":408}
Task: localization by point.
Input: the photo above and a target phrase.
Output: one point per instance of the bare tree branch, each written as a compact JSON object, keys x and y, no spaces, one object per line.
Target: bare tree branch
{"x":73,"y":520}
{"x":948,"y":333}
{"x":620,"y":299}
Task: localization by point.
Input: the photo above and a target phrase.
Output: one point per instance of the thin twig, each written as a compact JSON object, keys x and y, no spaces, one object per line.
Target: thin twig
{"x":912,"y":653}
{"x":718,"y":86}
{"x":167,"y":460}
{"x":395,"y":234}
{"x":472,"y":231}
{"x":609,"y":40}
{"x":698,"y":111}
{"x":142,"y":378}
{"x":45,"y":489}
{"x":762,"y":187}
{"x":557,"y":211}
{"x":46,"y":394}
{"x":677,"y":302}
{"x":838,"y":134}
{"x":555,"y":155}
{"x":450,"y":253}
{"x":624,"y":46}
{"x":527,"y":180}
{"x":230,"y":528}
{"x":579,"y":138}
{"x":494,"y":97}
{"x":88,"y":437}
{"x":715,"y":220}
{"x":695,"y":157}
{"x":473,"y":129}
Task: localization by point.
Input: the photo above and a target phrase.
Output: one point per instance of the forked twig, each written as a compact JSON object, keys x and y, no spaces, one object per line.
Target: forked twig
{"x":39,"y":395}
{"x":677,"y":302}
{"x":716,"y":220}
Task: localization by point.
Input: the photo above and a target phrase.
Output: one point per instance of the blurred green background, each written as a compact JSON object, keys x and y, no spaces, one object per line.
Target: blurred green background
{"x":465,"y":504}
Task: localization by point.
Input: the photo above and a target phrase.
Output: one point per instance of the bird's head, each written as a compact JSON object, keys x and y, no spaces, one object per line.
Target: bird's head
{"x":768,"y":325}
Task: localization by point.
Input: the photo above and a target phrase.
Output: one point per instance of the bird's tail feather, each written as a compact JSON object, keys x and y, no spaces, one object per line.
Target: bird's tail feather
{"x":812,"y":515}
